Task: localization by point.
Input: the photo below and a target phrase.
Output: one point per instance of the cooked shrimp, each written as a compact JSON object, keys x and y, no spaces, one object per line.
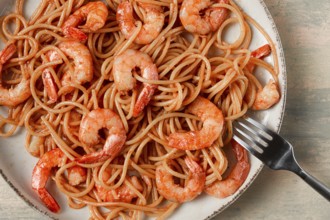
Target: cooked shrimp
{"x":193,"y":22}
{"x":266,"y":97}
{"x":152,"y":24}
{"x":123,"y":66}
{"x":83,"y":71}
{"x":237,"y":176}
{"x":6,"y":54}
{"x":269,"y":95}
{"x":259,"y":53}
{"x":88,"y":134}
{"x":262,"y":51}
{"x":76,"y":175}
{"x":42,"y":171}
{"x":48,"y":81}
{"x":171,"y":191}
{"x":121,"y":194}
{"x":213,"y":123}
{"x":21,"y":91}
{"x":95,"y":14}
{"x":83,"y":64}
{"x":33,"y":147}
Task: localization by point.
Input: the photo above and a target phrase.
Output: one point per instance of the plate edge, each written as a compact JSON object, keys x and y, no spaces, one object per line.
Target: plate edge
{"x":22,"y":197}
{"x":283,"y":67}
{"x":281,"y":116}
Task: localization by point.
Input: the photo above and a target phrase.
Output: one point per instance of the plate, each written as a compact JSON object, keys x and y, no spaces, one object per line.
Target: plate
{"x":16,"y":164}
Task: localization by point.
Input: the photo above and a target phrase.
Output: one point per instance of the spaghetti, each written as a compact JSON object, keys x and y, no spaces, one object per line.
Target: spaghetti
{"x":196,"y":78}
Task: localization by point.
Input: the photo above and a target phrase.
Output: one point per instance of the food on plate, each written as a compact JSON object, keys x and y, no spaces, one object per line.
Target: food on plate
{"x":128,"y":105}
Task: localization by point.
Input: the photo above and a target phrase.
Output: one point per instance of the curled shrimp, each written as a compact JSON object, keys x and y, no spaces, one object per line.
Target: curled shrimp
{"x":42,"y":172}
{"x":153,"y":22}
{"x":21,"y":91}
{"x":121,"y":194}
{"x":193,"y":22}
{"x":268,"y":96}
{"x":91,"y":123}
{"x":171,"y":191}
{"x":95,"y":14}
{"x":213,"y":123}
{"x":83,"y":63}
{"x":123,"y":66}
{"x":237,"y":176}
{"x":83,"y":68}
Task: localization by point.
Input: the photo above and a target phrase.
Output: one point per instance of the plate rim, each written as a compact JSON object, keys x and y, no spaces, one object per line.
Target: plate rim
{"x":283,"y":71}
{"x":258,"y":170}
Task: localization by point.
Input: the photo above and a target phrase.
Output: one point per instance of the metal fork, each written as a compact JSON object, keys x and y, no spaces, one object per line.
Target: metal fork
{"x":272,"y":150}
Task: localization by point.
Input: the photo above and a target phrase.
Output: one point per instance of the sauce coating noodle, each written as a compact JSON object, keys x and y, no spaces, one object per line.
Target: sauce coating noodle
{"x":176,"y":84}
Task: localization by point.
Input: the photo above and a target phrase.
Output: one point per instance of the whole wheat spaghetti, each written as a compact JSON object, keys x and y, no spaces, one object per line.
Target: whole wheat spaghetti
{"x":39,"y":92}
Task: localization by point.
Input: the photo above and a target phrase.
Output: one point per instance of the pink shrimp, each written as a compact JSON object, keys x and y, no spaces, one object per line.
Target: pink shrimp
{"x":171,"y":191}
{"x":267,"y":96}
{"x":48,"y":80}
{"x":123,"y":66}
{"x":153,"y":22}
{"x":83,"y":64}
{"x":6,"y":54}
{"x":88,"y":134}
{"x":121,"y":194}
{"x":213,"y":123}
{"x":21,"y":91}
{"x":95,"y":14}
{"x":42,"y":171}
{"x":212,"y":20}
{"x":83,"y":68}
{"x":237,"y":176}
{"x":259,"y":53}
{"x":76,"y":175}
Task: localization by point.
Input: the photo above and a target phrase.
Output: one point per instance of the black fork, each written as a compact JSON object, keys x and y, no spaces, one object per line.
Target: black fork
{"x":272,"y":150}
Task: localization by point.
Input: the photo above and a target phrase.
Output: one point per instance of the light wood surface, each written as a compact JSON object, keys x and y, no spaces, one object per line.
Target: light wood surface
{"x":304,"y":28}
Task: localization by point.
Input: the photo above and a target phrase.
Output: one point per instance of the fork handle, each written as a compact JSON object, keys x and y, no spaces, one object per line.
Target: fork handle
{"x":316,"y":184}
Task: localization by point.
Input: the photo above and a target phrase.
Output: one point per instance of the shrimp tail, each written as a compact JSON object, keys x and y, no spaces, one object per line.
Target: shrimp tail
{"x":50,"y":86}
{"x":144,"y":98}
{"x":262,"y":51}
{"x":7,"y":53}
{"x":111,"y":149}
{"x":76,"y":33}
{"x":259,"y":53}
{"x":48,"y":200}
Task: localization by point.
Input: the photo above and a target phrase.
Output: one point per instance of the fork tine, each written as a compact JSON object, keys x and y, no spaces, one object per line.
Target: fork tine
{"x":278,"y":156}
{"x":260,"y":126}
{"x":257,"y":134}
{"x":246,"y":146}
{"x":249,"y":138}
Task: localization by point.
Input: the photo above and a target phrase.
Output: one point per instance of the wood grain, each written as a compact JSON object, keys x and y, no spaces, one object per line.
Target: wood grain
{"x":304,"y":28}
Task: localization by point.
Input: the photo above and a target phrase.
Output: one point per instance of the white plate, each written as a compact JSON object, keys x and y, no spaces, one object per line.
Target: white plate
{"x":16,"y":164}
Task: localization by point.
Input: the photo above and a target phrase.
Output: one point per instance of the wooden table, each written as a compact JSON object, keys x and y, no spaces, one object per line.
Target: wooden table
{"x":304,"y":27}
